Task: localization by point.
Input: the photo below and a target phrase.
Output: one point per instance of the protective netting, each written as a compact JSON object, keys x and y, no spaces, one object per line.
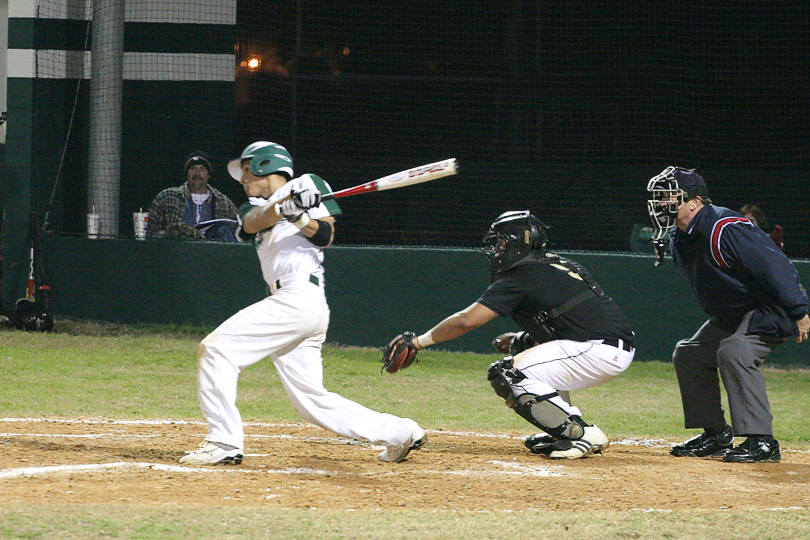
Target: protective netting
{"x":564,"y":108}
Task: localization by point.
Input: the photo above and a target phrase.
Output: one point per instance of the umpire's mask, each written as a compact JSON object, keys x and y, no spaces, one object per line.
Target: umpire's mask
{"x":668,"y":191}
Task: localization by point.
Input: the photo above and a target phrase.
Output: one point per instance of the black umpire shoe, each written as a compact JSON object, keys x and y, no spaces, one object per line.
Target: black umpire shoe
{"x":705,"y":444}
{"x":755,"y":449}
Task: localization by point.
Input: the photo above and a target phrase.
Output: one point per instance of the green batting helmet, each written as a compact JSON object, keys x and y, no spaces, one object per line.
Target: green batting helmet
{"x":265,"y":158}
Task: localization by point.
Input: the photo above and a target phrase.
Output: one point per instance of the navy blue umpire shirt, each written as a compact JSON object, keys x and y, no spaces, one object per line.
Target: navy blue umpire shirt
{"x":733,"y":267}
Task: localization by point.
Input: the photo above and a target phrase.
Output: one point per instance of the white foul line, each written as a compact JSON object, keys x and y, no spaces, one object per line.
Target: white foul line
{"x":629,"y":441}
{"x":26,"y":472}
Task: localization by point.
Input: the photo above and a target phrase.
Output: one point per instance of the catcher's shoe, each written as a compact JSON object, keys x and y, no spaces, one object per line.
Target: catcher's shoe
{"x":592,"y":442}
{"x":542,"y":444}
{"x":705,"y":444}
{"x":539,"y":443}
{"x":756,"y":449}
{"x":211,"y":453}
{"x":397,"y":453}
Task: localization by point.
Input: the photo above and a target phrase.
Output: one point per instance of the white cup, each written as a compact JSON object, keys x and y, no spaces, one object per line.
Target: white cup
{"x":140,"y":220}
{"x":92,"y":225}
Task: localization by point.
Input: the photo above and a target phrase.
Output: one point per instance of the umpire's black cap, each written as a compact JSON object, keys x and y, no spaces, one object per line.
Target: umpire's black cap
{"x":691,"y":183}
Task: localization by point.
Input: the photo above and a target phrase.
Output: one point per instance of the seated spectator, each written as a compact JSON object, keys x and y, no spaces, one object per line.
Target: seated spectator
{"x":194,"y":210}
{"x":755,"y":214}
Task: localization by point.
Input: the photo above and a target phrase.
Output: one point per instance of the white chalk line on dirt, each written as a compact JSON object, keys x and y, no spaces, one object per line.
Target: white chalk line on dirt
{"x":631,"y":441}
{"x":93,"y":467}
{"x":26,"y":472}
{"x":624,"y":442}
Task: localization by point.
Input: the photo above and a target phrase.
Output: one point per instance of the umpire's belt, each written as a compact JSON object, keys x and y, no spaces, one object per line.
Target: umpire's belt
{"x":284,"y":280}
{"x":619,"y":344}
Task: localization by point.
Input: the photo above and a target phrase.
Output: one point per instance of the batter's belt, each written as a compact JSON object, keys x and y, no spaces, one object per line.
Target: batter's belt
{"x":285,"y":280}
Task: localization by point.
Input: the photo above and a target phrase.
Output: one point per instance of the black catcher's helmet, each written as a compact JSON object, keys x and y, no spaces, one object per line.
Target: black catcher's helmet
{"x":29,"y":315}
{"x":513,"y":237}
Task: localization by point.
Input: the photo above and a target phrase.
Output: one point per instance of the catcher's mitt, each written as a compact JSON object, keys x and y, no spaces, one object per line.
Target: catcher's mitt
{"x":400,"y":353}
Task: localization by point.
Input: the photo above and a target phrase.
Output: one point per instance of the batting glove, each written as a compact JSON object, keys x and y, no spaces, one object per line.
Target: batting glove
{"x":307,"y":198}
{"x":294,"y":213}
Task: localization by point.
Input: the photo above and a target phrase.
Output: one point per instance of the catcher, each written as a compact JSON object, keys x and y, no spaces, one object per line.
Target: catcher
{"x":574,"y":336}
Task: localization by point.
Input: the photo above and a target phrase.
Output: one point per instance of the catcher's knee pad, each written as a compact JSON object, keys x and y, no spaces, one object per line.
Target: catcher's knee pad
{"x":502,"y":374}
{"x":537,"y":410}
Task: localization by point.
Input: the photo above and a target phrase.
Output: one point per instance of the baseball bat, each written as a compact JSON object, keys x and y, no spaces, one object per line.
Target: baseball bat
{"x":416,"y":175}
{"x":30,"y":285}
{"x":44,"y":290}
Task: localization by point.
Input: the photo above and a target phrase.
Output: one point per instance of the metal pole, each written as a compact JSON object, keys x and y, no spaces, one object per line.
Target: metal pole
{"x":106,"y":91}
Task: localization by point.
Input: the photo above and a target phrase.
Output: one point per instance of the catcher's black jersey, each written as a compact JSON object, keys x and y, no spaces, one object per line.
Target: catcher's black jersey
{"x":538,"y":285}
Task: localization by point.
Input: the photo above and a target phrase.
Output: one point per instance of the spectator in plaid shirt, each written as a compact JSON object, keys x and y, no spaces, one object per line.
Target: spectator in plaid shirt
{"x":177,"y":212}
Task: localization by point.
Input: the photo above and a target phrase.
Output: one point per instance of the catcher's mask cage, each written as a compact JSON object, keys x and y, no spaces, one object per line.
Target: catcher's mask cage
{"x":265,"y":158}
{"x":668,"y":191}
{"x":512,"y":237}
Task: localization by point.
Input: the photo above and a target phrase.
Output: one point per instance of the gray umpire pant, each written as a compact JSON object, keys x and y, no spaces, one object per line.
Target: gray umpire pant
{"x":738,"y":356}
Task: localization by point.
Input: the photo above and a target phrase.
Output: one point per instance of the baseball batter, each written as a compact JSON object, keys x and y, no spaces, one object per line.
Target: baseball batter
{"x":574,"y":336}
{"x":291,"y":226}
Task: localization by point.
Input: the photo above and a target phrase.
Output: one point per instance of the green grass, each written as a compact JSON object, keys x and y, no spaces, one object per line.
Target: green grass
{"x":150,"y":372}
{"x":91,"y":522}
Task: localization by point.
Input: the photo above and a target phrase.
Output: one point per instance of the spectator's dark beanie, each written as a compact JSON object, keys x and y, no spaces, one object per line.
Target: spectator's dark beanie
{"x":198,"y":157}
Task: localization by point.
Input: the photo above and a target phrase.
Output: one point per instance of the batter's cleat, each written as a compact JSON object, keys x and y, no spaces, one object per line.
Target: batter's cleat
{"x":211,"y":453}
{"x":592,"y":442}
{"x":397,"y":453}
{"x":705,"y":444}
{"x":756,"y":449}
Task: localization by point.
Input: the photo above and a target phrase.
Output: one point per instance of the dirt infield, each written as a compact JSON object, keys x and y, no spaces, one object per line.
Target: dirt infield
{"x":120,"y":463}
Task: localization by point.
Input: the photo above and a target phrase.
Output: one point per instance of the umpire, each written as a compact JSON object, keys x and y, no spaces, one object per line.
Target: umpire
{"x":752,"y":294}
{"x":574,"y":335}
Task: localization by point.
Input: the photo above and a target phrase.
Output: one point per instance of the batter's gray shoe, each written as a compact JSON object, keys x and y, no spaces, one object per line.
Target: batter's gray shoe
{"x":593,"y":441}
{"x":395,"y":454}
{"x":211,"y":453}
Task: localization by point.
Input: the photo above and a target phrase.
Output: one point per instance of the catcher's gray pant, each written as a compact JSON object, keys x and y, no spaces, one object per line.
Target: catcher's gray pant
{"x":290,"y":327}
{"x":738,"y":356}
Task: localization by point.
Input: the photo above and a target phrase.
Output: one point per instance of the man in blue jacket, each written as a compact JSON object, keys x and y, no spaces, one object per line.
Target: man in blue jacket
{"x":755,"y":301}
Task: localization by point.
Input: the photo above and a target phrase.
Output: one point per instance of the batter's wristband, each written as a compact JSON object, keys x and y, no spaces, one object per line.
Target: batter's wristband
{"x":425,"y":340}
{"x":302,"y":221}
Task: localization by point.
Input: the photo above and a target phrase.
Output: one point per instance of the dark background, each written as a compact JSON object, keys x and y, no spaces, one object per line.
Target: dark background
{"x":565,"y":108}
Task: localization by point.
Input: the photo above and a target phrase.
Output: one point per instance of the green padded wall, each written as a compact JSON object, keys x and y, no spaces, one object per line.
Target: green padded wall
{"x":374,"y":293}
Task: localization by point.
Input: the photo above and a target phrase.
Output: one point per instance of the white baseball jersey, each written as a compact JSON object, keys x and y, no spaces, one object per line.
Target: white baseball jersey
{"x":283,"y":249}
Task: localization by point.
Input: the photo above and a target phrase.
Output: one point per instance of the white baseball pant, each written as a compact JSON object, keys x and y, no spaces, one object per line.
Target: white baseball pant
{"x":564,"y":365}
{"x":290,"y":327}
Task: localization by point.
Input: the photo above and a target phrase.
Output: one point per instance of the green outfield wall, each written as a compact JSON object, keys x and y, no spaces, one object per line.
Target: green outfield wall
{"x":374,"y":293}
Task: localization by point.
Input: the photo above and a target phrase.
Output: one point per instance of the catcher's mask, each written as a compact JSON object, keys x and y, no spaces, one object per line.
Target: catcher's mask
{"x":512,"y":237}
{"x":668,"y":191}
{"x":265,"y":158}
